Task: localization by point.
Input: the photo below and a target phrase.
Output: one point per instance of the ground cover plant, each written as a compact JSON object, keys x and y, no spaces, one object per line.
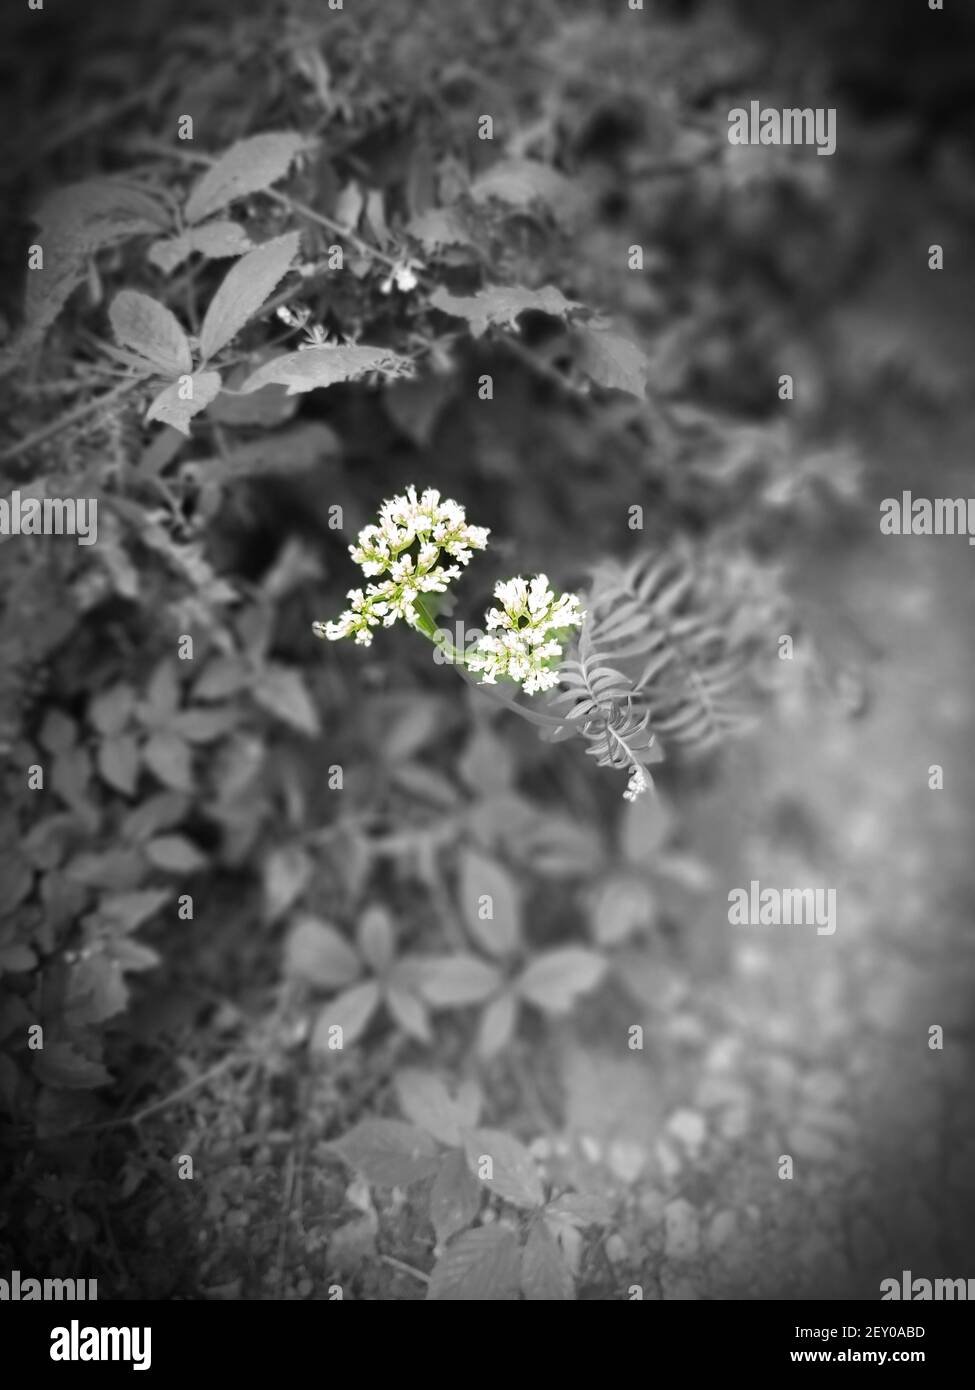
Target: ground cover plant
{"x":459,"y":337}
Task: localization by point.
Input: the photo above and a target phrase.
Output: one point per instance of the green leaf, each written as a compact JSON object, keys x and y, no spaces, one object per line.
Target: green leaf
{"x":317,"y":953}
{"x":170,"y":759}
{"x":480,"y":1265}
{"x":109,"y":710}
{"x":350,"y":1012}
{"x":612,"y":360}
{"x":408,"y":1011}
{"x":127,"y":911}
{"x":152,"y":330}
{"x":554,"y":979}
{"x":249,"y":166}
{"x":457,"y":980}
{"x":375,"y":938}
{"x":514,"y":1172}
{"x":497,"y":1025}
{"x":205,"y":725}
{"x":96,"y":990}
{"x":281,"y":691}
{"x":580,"y":1209}
{"x":178,"y":402}
{"x":482,"y":877}
{"x":389,"y":1153}
{"x":545,"y":1277}
{"x":75,"y":222}
{"x":176,"y":854}
{"x":437,"y":228}
{"x":118,"y":762}
{"x":425,"y":1100}
{"x":214,"y":241}
{"x":623,"y":906}
{"x":63,"y":1066}
{"x":285,"y":874}
{"x":244,"y":290}
{"x":455,"y":1197}
{"x":501,"y":305}
{"x":316,"y":367}
{"x":524,"y":182}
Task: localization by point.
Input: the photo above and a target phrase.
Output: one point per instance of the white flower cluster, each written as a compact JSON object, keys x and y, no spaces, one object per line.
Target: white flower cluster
{"x":637,"y":785}
{"x":521,"y":642}
{"x":438,"y":527}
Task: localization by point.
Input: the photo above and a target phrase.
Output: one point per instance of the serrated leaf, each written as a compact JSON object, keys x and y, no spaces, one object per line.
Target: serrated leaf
{"x":425,"y":1100}
{"x":95,"y":991}
{"x":389,"y":1153}
{"x":613,"y":360}
{"x":580,"y":1209}
{"x":554,"y":979}
{"x":175,"y":854}
{"x":350,"y":1012}
{"x":214,"y":241}
{"x":75,"y":222}
{"x":281,"y":691}
{"x":178,"y":402}
{"x":497,"y":1025}
{"x":501,"y":305}
{"x":523,"y":182}
{"x":96,"y":211}
{"x":478,"y":1265}
{"x":438,"y":227}
{"x":318,"y":367}
{"x":545,"y":1277}
{"x":480,"y":877}
{"x":455,"y":1197}
{"x":63,"y":1066}
{"x":514,"y":1172}
{"x":452,"y":981}
{"x":150,"y":329}
{"x":318,"y":954}
{"x":244,"y":290}
{"x":249,"y":166}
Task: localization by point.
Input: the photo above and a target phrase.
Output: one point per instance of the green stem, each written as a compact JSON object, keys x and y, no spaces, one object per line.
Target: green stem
{"x":427,"y":625}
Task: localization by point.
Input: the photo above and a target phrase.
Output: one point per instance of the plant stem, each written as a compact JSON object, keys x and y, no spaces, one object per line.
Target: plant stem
{"x":427,"y":625}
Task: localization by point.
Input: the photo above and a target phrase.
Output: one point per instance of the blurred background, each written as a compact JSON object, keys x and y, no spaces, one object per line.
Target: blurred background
{"x":313,"y":797}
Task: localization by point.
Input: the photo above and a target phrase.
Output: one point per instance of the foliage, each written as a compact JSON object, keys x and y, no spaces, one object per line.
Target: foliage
{"x":348,"y":819}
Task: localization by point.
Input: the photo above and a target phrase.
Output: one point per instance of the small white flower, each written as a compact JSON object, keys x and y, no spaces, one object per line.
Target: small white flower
{"x":403,"y":276}
{"x":637,"y":785}
{"x":524,"y":637}
{"x":386,"y":547}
